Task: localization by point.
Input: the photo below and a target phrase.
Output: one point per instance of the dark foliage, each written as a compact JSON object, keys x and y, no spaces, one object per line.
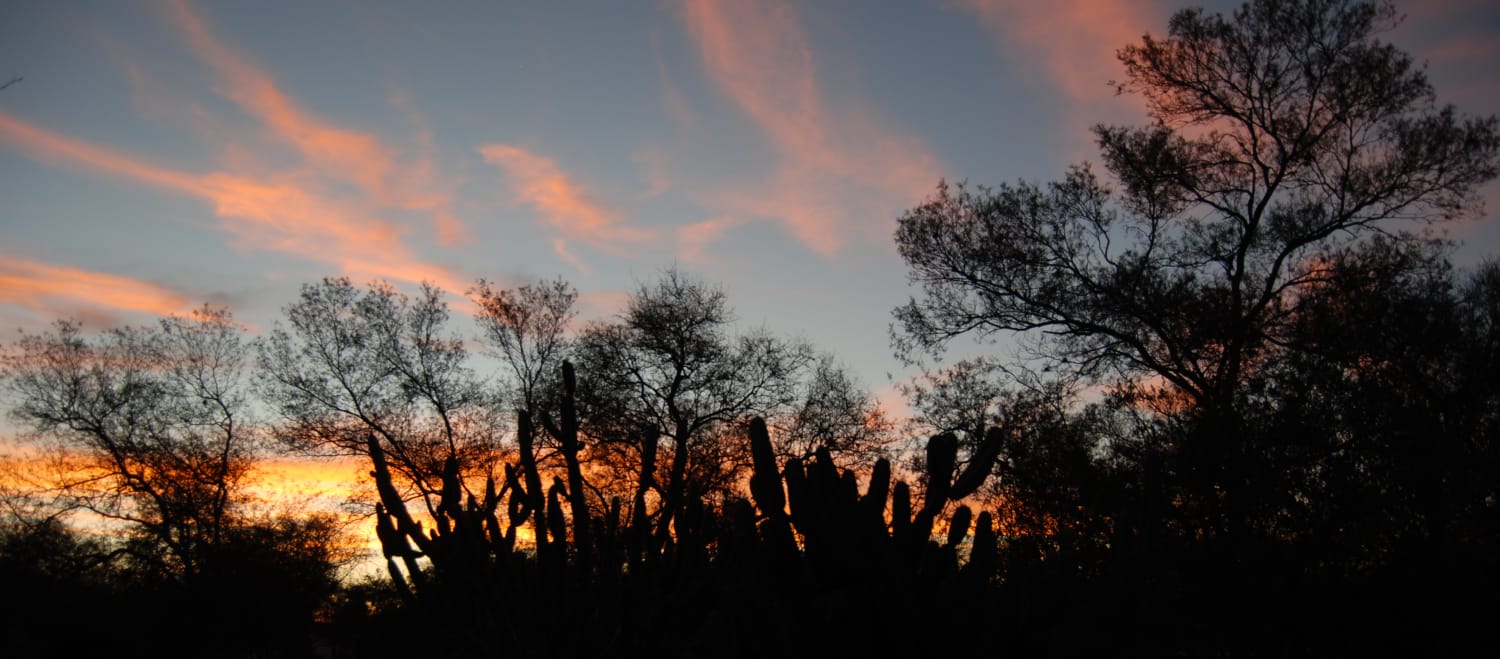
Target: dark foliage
{"x":1294,"y":453}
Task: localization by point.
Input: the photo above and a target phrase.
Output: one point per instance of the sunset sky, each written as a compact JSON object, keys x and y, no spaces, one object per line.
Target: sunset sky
{"x":163,"y":154}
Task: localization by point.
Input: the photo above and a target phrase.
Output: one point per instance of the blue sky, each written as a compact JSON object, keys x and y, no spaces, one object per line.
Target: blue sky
{"x":163,"y":154}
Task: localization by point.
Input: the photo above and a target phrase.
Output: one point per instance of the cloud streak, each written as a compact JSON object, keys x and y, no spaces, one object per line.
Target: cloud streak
{"x":351,"y":156}
{"x":694,"y":238}
{"x":62,"y":150}
{"x":757,"y":54}
{"x":565,"y":205}
{"x":355,"y":156}
{"x":279,"y":215}
{"x":1076,"y":40}
{"x":45,"y":288}
{"x":328,"y":213}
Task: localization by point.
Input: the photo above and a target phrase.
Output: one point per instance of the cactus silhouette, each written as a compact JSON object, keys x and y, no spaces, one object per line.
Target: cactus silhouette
{"x":809,"y":553}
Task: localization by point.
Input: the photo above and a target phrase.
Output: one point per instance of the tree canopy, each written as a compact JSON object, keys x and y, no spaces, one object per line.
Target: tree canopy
{"x":1280,"y":138}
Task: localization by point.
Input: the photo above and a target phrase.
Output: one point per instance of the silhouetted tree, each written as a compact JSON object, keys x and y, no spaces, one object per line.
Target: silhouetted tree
{"x":837,"y":414}
{"x":527,"y":327}
{"x":354,"y":372}
{"x":157,"y":419}
{"x":670,"y":368}
{"x":56,"y":577}
{"x":1286,"y":410}
{"x":1281,"y":135}
{"x":150,"y":427}
{"x":1388,"y":410}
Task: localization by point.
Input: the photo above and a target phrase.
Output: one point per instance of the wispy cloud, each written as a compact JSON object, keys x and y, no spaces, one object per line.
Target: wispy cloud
{"x":356,"y":156}
{"x":48,"y":288}
{"x":757,"y":54}
{"x":352,"y":156}
{"x":570,"y":209}
{"x":340,"y":206}
{"x":284,"y":215}
{"x":1075,"y":41}
{"x":693,"y":238}
{"x":62,"y":150}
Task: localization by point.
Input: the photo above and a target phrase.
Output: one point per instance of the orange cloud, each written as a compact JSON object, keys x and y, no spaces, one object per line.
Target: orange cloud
{"x":352,"y":156}
{"x":62,"y":150}
{"x":562,"y":202}
{"x":281,"y":215}
{"x":41,"y":286}
{"x":757,"y":54}
{"x":693,"y":238}
{"x":1076,"y":39}
{"x":602,"y":305}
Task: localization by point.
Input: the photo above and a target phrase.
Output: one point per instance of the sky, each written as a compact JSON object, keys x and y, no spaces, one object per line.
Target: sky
{"x":160,"y":155}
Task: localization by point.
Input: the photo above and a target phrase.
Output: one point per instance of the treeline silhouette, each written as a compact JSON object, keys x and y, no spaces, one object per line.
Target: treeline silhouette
{"x":1253,"y":414}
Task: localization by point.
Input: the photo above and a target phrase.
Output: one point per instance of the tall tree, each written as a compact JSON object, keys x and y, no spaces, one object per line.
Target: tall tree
{"x":837,"y":414}
{"x":669,"y":368}
{"x":1281,"y":136}
{"x":376,"y":373}
{"x":157,"y":419}
{"x":527,"y":327}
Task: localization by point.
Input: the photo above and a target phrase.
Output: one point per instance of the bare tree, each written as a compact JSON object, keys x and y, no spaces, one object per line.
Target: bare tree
{"x":155,"y":418}
{"x":375,"y":373}
{"x":527,"y":327}
{"x":1280,"y":135}
{"x":669,"y":368}
{"x":835,"y":413}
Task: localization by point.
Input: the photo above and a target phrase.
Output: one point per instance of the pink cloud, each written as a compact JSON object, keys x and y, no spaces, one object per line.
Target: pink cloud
{"x":66,"y":151}
{"x":296,"y":213}
{"x":356,"y":156}
{"x":45,"y":288}
{"x":757,"y":54}
{"x":280,"y":215}
{"x":694,"y":238}
{"x":1076,"y":40}
{"x":564,"y":204}
{"x":286,"y":214}
{"x":353,"y":156}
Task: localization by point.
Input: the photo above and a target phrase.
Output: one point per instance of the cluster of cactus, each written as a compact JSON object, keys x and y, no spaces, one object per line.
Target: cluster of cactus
{"x":807,"y":530}
{"x":880,"y":531}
